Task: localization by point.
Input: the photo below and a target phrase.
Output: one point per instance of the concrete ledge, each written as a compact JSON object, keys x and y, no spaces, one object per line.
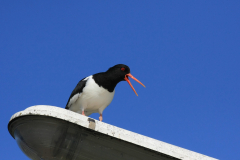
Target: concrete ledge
{"x":112,"y":131}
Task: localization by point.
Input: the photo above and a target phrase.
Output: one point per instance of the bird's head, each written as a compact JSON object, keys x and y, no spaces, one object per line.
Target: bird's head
{"x":122,"y":73}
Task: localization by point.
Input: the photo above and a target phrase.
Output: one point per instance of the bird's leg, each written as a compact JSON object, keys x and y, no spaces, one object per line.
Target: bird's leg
{"x":100,"y":118}
{"x":83,"y":113}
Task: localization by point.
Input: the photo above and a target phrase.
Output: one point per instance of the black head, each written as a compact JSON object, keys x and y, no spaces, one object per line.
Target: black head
{"x":118,"y":72}
{"x":113,"y":76}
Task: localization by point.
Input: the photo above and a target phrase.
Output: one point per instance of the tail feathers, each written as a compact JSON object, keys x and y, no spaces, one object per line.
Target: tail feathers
{"x":66,"y":106}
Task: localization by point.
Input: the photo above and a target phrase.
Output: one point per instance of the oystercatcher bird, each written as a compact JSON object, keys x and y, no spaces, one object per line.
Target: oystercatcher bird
{"x":94,"y":93}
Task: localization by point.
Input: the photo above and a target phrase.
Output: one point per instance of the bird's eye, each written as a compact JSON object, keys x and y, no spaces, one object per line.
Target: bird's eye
{"x":123,"y":69}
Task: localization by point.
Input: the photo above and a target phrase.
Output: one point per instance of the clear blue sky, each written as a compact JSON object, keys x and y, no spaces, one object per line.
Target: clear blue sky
{"x":187,"y":53}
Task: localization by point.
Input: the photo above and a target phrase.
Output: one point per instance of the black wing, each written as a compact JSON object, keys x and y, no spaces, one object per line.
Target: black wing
{"x":77,"y":91}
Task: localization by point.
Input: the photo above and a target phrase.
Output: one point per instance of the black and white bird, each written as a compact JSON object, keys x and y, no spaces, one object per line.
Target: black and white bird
{"x":94,"y":93}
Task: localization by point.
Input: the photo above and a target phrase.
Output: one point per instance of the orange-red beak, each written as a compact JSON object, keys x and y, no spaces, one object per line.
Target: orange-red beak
{"x":126,"y":78}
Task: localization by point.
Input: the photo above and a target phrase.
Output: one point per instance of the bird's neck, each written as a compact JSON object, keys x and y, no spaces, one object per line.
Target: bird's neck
{"x":106,"y":80}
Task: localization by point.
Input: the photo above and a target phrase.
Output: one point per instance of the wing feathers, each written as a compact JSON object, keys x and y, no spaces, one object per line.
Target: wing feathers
{"x":76,"y":93}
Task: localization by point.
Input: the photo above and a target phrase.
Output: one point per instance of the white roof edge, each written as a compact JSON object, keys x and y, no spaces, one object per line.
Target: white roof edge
{"x":113,"y":131}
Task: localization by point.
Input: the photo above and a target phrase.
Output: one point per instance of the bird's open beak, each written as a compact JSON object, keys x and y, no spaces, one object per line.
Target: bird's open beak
{"x":126,"y":78}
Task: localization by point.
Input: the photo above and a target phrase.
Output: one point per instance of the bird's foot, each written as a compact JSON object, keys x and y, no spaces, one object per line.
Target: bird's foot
{"x":100,"y":118}
{"x":83,"y":113}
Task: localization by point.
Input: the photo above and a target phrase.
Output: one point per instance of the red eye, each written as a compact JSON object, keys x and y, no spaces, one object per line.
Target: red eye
{"x":123,"y":69}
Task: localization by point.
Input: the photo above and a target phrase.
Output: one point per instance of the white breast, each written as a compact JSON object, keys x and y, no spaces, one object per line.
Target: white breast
{"x":93,"y":99}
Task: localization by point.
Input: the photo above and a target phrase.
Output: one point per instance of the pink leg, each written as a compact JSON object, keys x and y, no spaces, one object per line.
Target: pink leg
{"x":100,"y":118}
{"x":83,"y":113}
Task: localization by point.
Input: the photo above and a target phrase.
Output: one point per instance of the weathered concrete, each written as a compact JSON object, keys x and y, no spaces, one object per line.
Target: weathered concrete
{"x":112,"y":131}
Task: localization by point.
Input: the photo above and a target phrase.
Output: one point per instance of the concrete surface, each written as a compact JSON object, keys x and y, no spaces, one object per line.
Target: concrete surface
{"x":108,"y":130}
